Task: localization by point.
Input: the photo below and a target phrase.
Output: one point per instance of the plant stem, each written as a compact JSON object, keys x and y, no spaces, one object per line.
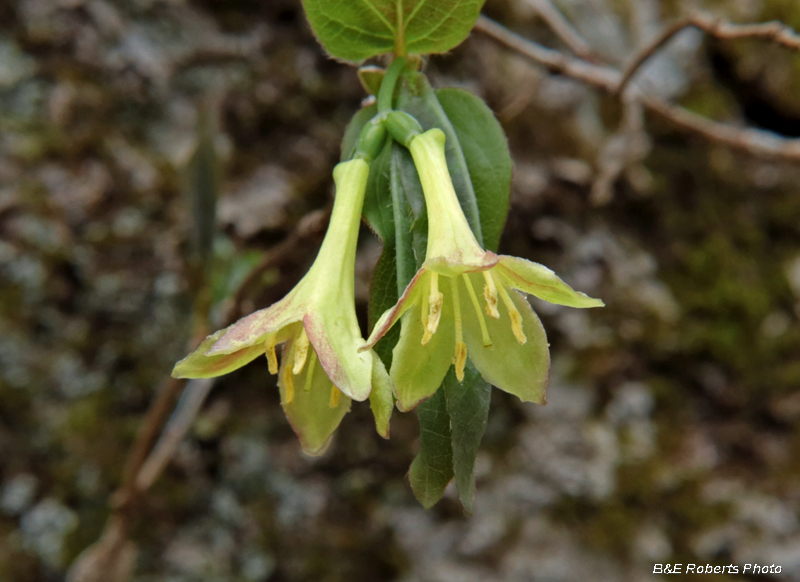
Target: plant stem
{"x":386,"y":94}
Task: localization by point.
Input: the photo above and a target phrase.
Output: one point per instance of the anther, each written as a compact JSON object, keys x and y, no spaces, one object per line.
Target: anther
{"x":310,"y":372}
{"x":516,"y":318}
{"x":490,"y":294}
{"x":487,"y":341}
{"x":300,"y":352}
{"x":335,"y":394}
{"x":460,"y":358}
{"x":435,"y":301}
{"x":272,"y":359}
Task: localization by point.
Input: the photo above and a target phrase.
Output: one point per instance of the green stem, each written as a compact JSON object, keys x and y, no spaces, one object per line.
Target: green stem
{"x":386,"y":94}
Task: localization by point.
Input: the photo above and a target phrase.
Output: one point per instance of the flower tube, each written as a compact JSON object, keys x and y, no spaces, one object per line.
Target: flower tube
{"x":464,"y":302}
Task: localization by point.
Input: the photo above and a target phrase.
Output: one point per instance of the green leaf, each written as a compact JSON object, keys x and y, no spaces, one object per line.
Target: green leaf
{"x":371,"y":78}
{"x":355,"y":30}
{"x":378,"y":201}
{"x":485,"y":150}
{"x":432,"y":468}
{"x":408,"y":202}
{"x":383,"y":296}
{"x":468,"y":407}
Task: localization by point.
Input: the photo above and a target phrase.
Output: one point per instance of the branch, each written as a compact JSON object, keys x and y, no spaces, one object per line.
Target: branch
{"x":112,"y":556}
{"x":563,"y":29}
{"x":773,"y":31}
{"x":755,"y":142}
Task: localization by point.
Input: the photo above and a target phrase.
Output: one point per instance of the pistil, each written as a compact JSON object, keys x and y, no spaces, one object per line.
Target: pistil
{"x":460,"y":359}
{"x":310,"y":372}
{"x":487,"y":341}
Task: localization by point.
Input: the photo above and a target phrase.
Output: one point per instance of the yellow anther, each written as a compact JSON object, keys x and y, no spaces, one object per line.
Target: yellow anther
{"x":272,"y":359}
{"x":460,"y":360}
{"x":335,"y":394}
{"x":490,"y":294}
{"x":300,"y":352}
{"x":516,"y":318}
{"x":435,"y":301}
{"x":487,"y":341}
{"x":288,"y":385}
{"x":310,"y":372}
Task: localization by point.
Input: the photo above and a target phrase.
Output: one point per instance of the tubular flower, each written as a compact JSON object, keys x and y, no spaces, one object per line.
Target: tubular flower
{"x":321,"y":369}
{"x":463,"y":302}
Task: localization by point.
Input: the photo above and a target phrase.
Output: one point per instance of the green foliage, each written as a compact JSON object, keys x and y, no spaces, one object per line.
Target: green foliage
{"x":432,"y":468}
{"x":453,"y":420}
{"x":468,"y":407}
{"x":355,"y":30}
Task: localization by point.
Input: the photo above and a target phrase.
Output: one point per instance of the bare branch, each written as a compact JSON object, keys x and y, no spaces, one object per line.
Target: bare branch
{"x":599,"y":77}
{"x":562,"y":27}
{"x":192,"y":400}
{"x":753,"y":141}
{"x":607,"y":79}
{"x":773,"y":31}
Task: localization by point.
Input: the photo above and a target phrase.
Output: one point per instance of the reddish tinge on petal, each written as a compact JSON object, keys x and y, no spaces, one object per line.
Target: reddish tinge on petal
{"x":390,"y":316}
{"x":199,"y":365}
{"x":254,"y":328}
{"x":336,"y":338}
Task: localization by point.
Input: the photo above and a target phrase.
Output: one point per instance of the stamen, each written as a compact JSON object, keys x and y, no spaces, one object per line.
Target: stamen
{"x":300,"y":352}
{"x":516,"y":318}
{"x":490,"y":294}
{"x":424,"y":311}
{"x":288,"y":385}
{"x":335,"y":394}
{"x":310,"y":372}
{"x":435,"y":300}
{"x":460,"y":359}
{"x":272,"y":359}
{"x":487,"y":341}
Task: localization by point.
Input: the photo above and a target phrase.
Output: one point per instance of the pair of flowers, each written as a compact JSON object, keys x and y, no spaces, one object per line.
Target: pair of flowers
{"x":461,"y":303}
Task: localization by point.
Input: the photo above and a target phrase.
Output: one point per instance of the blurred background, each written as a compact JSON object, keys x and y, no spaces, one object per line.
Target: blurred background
{"x":153,"y":151}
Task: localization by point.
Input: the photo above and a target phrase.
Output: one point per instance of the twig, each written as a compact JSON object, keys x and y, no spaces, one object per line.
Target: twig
{"x":189,"y":406}
{"x":101,"y":561}
{"x":774,"y":31}
{"x":563,"y":29}
{"x":146,"y":436}
{"x":600,"y":77}
{"x":607,"y":79}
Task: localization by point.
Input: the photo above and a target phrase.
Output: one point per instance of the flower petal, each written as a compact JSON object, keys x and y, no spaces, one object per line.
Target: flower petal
{"x":381,"y":400}
{"x":390,"y":316}
{"x":253,"y":328}
{"x":309,"y":412}
{"x":199,"y":365}
{"x":541,"y":282}
{"x":418,"y":370}
{"x":522,"y":370}
{"x":336,"y":337}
